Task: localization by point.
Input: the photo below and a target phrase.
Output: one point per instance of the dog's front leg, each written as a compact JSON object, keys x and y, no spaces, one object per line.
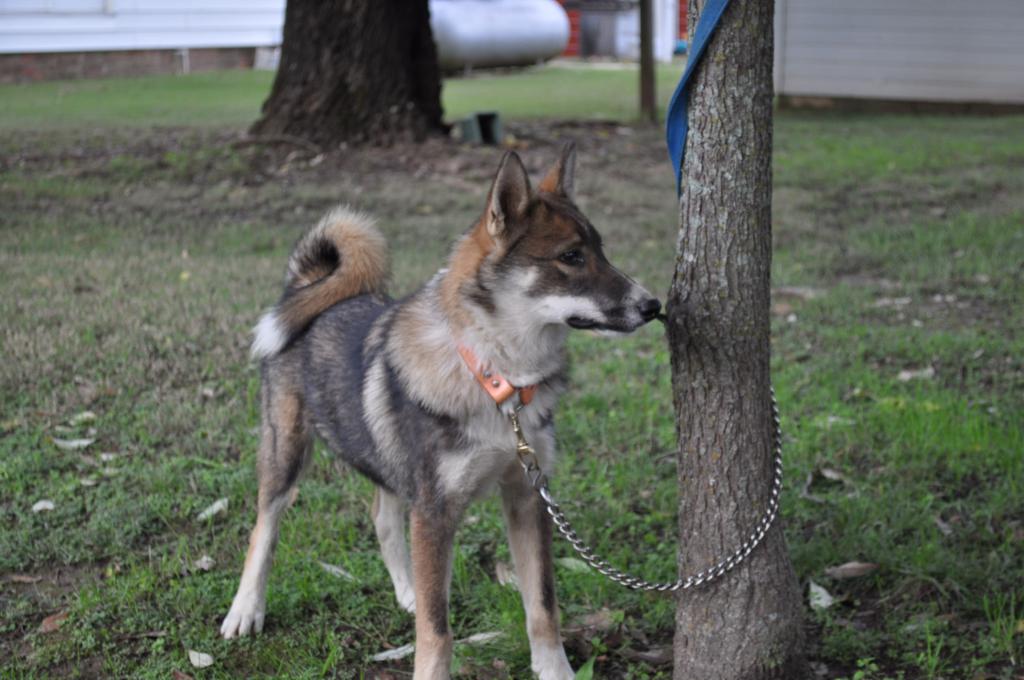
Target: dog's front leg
{"x":529,"y":537}
{"x":432,"y":532}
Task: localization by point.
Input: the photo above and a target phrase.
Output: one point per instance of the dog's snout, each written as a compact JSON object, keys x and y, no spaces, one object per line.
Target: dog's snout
{"x":649,"y":308}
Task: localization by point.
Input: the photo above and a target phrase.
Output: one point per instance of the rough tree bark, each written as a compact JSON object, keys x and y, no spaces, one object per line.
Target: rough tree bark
{"x":355,"y":71}
{"x":746,"y":625}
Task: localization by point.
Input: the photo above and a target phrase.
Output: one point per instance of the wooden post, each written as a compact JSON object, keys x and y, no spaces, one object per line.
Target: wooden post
{"x":648,"y":107}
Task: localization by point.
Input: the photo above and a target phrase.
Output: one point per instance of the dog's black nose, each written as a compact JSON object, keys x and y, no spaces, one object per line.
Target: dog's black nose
{"x":649,"y":308}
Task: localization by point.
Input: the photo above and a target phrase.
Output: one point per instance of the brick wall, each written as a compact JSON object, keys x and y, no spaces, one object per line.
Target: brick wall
{"x":22,"y":68}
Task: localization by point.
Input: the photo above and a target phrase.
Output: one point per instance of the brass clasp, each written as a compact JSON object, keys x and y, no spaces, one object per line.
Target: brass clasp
{"x":525,"y":453}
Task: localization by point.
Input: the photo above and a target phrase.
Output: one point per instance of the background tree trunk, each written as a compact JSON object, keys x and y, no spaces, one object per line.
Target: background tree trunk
{"x":748,"y":623}
{"x":355,"y":71}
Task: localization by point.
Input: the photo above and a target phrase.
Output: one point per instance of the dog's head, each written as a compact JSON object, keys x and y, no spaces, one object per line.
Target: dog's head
{"x":544,"y":263}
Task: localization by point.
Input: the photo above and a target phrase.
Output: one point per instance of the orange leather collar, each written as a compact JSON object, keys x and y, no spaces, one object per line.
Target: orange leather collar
{"x":493,"y":382}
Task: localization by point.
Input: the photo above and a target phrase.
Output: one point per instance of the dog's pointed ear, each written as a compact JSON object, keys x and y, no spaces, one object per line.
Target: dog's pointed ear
{"x":510,"y":194}
{"x":561,"y":178}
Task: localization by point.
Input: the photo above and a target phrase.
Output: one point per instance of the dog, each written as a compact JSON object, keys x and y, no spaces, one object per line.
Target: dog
{"x":415,"y":393}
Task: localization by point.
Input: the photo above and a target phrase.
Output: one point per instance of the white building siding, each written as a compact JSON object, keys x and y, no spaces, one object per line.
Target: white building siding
{"x":928,"y":50}
{"x":92,"y":25}
{"x":666,"y":31}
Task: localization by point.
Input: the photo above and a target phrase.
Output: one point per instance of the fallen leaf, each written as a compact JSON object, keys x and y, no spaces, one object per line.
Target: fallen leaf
{"x":394,"y":654}
{"x":407,"y":650}
{"x":926,"y":373}
{"x":144,"y":635}
{"x":24,"y":578}
{"x":215,"y":508}
{"x":921,"y":622}
{"x":107,"y":456}
{"x":501,"y":667}
{"x":87,"y":390}
{"x":481,"y":638}
{"x":858,"y":394}
{"x":336,"y":571}
{"x":199,"y":659}
{"x":800,"y":292}
{"x":573,"y":564}
{"x":892,"y":302}
{"x":178,"y":675}
{"x":43,"y":505}
{"x":52,"y":622}
{"x":72,"y":444}
{"x":943,"y":526}
{"x":82,"y":418}
{"x":805,"y":491}
{"x":204,"y":563}
{"x":656,"y":656}
{"x":87,"y":481}
{"x":851,"y":570}
{"x":834,"y":475}
{"x":506,"y":575}
{"x":820,"y":669}
{"x":820,"y":599}
{"x":603,"y":619}
{"x":782,"y":309}
{"x":10,"y":425}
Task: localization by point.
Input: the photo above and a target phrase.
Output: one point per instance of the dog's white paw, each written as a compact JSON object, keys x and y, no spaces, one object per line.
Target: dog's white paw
{"x":565,"y":673}
{"x":245,"y":616}
{"x":551,"y":664}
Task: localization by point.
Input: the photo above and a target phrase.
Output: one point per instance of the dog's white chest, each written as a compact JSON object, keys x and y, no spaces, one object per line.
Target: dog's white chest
{"x":473,"y":471}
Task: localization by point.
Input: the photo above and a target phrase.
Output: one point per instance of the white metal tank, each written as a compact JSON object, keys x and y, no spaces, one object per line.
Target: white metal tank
{"x":485,"y":33}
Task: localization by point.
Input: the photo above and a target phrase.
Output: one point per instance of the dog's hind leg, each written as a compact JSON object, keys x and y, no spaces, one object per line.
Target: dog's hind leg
{"x":529,"y":537}
{"x":284,"y":448}
{"x":389,"y":519}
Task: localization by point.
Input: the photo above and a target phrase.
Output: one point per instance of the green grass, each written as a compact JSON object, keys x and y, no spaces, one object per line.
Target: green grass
{"x":195,"y":100}
{"x":234,"y":98}
{"x":558,"y":92}
{"x":136,"y":259}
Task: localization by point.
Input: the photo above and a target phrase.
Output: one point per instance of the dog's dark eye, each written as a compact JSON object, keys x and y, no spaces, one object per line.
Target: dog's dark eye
{"x":573,"y":258}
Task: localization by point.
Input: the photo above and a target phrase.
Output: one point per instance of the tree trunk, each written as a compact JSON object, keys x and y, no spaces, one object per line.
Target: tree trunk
{"x":355,"y":71}
{"x":747,"y":624}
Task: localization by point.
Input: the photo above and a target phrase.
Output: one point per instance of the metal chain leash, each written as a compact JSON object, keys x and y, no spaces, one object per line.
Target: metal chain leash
{"x":538,"y":480}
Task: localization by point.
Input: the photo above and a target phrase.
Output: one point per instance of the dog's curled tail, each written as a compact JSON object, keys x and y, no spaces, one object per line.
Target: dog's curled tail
{"x":342,"y":256}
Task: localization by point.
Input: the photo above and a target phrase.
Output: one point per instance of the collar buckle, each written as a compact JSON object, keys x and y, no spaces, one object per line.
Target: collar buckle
{"x":493,"y":382}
